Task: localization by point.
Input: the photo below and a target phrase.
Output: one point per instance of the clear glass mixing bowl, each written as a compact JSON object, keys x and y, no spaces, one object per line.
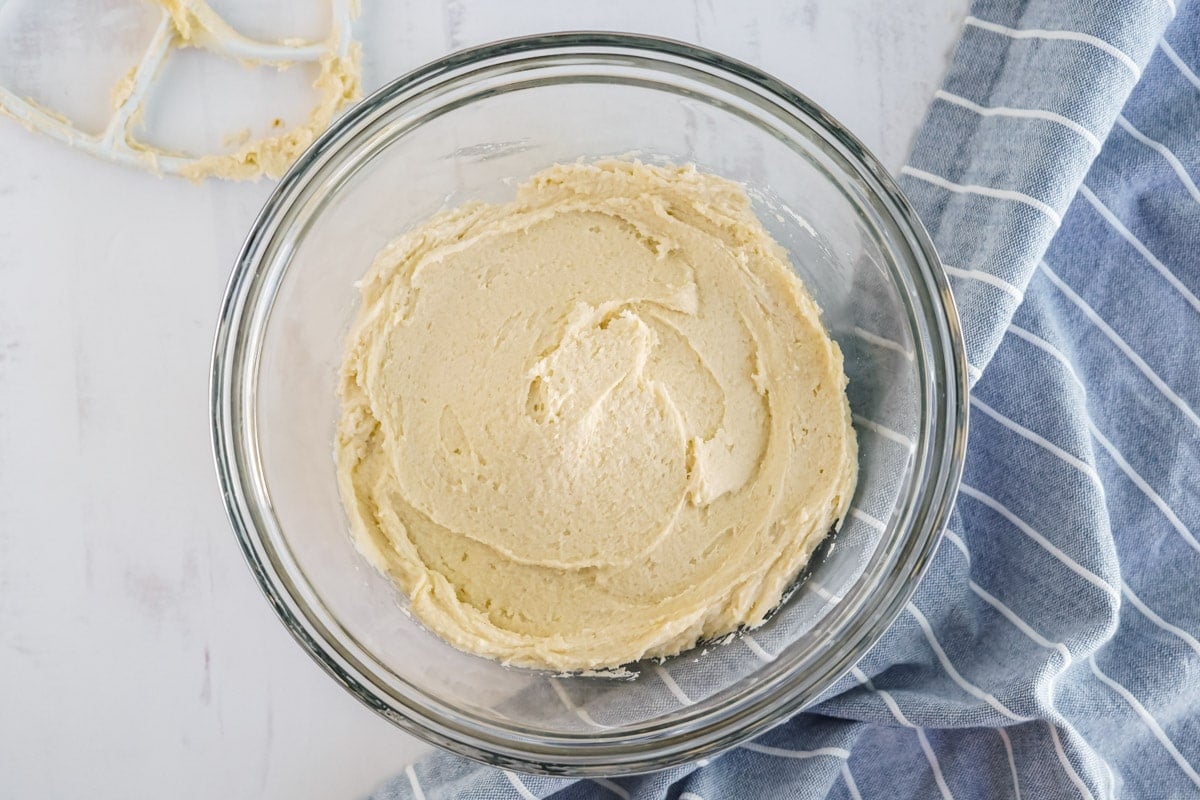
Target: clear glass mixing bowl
{"x":467,"y":128}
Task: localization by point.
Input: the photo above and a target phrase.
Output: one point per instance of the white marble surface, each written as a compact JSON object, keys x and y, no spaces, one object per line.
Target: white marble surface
{"x":137,"y":657}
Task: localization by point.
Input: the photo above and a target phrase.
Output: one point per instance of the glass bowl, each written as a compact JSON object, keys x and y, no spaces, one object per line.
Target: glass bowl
{"x":468,"y":127}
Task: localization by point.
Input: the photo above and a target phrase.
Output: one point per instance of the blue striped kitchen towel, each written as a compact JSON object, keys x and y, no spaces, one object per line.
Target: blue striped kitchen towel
{"x":1052,"y":650}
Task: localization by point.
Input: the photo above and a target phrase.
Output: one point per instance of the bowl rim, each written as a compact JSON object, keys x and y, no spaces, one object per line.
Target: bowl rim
{"x":233,"y":431}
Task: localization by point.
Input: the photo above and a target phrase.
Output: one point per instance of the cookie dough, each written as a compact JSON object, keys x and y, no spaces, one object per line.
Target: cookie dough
{"x":595,"y":424}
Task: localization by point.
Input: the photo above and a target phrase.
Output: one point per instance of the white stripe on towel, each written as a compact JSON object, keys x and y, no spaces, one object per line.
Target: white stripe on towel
{"x":672,"y":686}
{"x":884,"y":431}
{"x":414,"y":783}
{"x":571,"y":706}
{"x":612,"y":787}
{"x":1149,"y":614}
{"x":851,"y":786}
{"x":1024,"y":527}
{"x":1078,"y":463}
{"x":1021,"y":113}
{"x":986,"y":277}
{"x":1070,"y":36}
{"x":1049,"y":349}
{"x":1179,"y":63}
{"x":756,"y":648}
{"x":1151,"y":723}
{"x":520,"y":787}
{"x":1162,"y":149}
{"x":954,"y":674}
{"x":1145,"y":488}
{"x":926,"y":748}
{"x":1012,"y":761}
{"x":1144,"y":251}
{"x":984,"y":191}
{"x":1066,"y":762}
{"x":1036,"y":637}
{"x":836,"y":752}
{"x":880,"y":341}
{"x":1091,"y":314}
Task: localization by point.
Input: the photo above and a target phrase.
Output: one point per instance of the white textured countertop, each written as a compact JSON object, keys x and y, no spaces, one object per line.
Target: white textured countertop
{"x":137,"y":656}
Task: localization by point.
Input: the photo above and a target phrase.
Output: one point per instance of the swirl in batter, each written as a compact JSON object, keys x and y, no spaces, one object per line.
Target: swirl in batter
{"x":598,"y":423}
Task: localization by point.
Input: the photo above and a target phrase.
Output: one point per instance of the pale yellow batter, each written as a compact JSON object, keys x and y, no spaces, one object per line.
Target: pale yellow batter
{"x":595,"y":424}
